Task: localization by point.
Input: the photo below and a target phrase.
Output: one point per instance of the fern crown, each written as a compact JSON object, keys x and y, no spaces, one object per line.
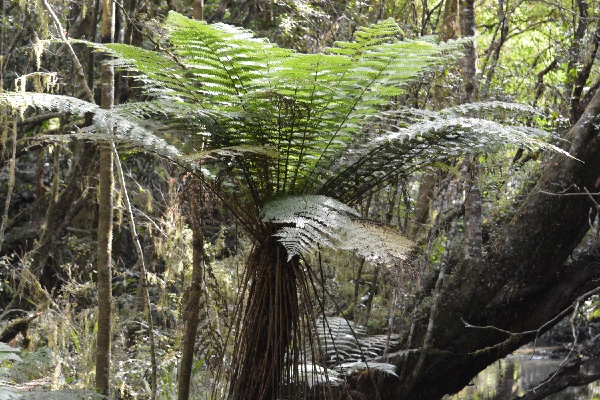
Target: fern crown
{"x":322,"y":126}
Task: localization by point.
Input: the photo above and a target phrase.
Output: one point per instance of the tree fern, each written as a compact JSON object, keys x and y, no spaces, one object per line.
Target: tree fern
{"x":257,"y":94}
{"x":289,"y":140}
{"x":218,"y":87}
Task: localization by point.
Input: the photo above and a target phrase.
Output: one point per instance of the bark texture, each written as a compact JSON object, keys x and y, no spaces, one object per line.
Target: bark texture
{"x":523,"y":280}
{"x":193,"y":296}
{"x":105,"y":219}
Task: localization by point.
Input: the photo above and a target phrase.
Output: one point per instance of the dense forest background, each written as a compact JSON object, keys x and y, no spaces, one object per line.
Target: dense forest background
{"x":359,"y":200}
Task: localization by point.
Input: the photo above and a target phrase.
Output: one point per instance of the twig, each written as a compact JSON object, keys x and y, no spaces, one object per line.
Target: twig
{"x":80,"y":73}
{"x":513,"y":335}
{"x":143,"y":273}
{"x":569,"y":194}
{"x":11,"y":181}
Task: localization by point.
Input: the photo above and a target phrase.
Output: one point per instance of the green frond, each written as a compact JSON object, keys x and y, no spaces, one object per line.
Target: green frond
{"x":20,"y":101}
{"x":406,"y":140}
{"x":493,"y":108}
{"x":117,"y":125}
{"x":305,"y":107}
{"x":310,"y":221}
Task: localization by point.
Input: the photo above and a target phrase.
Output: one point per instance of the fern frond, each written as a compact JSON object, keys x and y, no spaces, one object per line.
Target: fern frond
{"x":345,"y":344}
{"x":376,"y":243}
{"x":316,"y":375}
{"x":351,"y":368}
{"x":33,"y":365}
{"x":116,"y":125}
{"x":7,"y":392}
{"x":404,"y":141}
{"x":461,"y":135}
{"x":258,"y":95}
{"x":20,"y":101}
{"x":494,"y":108}
{"x":313,"y":220}
{"x":9,"y":353}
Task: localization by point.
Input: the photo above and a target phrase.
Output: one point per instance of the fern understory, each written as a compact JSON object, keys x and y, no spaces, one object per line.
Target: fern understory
{"x":290,"y":143}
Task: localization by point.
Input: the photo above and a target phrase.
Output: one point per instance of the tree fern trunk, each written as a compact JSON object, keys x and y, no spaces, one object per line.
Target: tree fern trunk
{"x":268,"y":346}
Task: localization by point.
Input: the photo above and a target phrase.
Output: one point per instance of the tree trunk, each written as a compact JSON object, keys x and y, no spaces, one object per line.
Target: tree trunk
{"x":469,"y":60}
{"x":495,"y":48}
{"x":449,"y":20}
{"x":372,"y":290}
{"x":191,"y":318}
{"x":354,"y":306}
{"x":424,"y":198}
{"x":198,"y":10}
{"x":105,"y":219}
{"x":473,"y":212}
{"x":522,"y":280}
{"x":575,"y":55}
{"x":192,"y":308}
{"x":473,"y":201}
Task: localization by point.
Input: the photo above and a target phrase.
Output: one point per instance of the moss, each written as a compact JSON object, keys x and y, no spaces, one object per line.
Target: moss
{"x":19,"y":325}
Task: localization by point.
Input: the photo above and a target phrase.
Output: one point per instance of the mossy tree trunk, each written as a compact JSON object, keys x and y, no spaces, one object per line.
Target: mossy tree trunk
{"x":192,"y":305}
{"x":105,"y":219}
{"x":524,"y":279}
{"x":192,"y":309}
